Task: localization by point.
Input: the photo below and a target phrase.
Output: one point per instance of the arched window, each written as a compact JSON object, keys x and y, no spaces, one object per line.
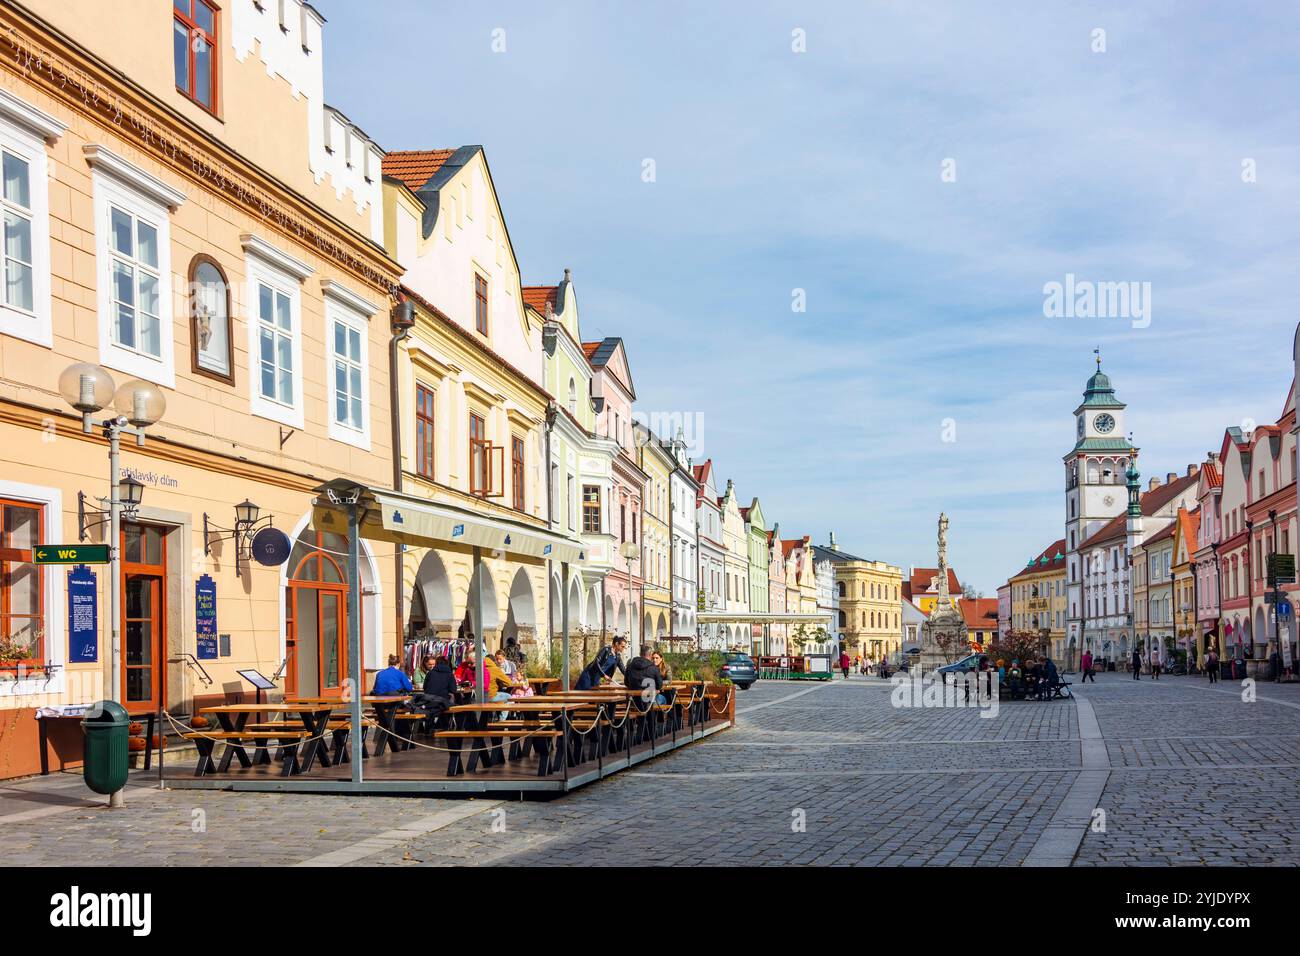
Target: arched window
{"x":211,"y":344}
{"x":842,"y":589}
{"x":573,"y":398}
{"x":844,"y":620}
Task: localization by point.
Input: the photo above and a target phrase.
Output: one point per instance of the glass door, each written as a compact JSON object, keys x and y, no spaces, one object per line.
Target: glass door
{"x":143,"y":615}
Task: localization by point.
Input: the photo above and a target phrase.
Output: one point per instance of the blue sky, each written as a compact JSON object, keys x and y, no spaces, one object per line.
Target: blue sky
{"x":821,"y":171}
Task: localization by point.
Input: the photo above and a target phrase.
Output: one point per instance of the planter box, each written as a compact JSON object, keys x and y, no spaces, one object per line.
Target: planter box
{"x":725,"y":708}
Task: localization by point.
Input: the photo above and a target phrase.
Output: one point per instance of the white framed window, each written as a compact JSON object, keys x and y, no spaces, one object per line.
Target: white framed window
{"x":347,"y":363}
{"x":133,"y":259}
{"x":25,"y":310}
{"x":275,"y":332}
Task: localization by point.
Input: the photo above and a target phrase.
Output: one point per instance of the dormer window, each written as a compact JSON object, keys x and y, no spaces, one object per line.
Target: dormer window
{"x":194,"y":51}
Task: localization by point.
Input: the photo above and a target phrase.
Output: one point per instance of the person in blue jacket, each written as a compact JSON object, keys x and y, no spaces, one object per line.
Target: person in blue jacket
{"x":392,"y":679}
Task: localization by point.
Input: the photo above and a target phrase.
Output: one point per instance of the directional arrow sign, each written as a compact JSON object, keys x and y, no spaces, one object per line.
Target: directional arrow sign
{"x":70,"y":554}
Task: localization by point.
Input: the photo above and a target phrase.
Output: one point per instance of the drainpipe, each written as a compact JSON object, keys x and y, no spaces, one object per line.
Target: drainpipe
{"x":551,"y":413}
{"x":402,"y":319}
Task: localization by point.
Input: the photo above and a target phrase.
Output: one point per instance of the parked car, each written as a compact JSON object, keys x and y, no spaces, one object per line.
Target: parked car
{"x":963,"y":666}
{"x":739,"y":669}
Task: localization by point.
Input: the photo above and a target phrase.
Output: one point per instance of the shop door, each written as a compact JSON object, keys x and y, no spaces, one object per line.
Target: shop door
{"x":316,"y":628}
{"x":144,"y":617}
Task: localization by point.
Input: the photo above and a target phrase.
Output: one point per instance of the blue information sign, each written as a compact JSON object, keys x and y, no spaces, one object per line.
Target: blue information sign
{"x":205,"y":617}
{"x":83,"y":616}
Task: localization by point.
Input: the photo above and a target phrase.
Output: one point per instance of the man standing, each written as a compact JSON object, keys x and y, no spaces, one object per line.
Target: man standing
{"x":1212,"y":664}
{"x":1137,"y":664}
{"x":608,"y":659}
{"x":1085,"y":665}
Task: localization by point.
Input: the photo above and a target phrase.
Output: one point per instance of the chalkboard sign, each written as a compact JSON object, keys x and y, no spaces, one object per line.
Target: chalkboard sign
{"x":205,"y":617}
{"x":83,"y":616}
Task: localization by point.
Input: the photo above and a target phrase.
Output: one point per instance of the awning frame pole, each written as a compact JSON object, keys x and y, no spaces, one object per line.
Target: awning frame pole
{"x":354,"y":634}
{"x":564,"y":624}
{"x":480,"y":694}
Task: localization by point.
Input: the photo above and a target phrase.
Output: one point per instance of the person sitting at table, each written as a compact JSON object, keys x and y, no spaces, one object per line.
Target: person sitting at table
{"x":465,"y":669}
{"x":439,"y":688}
{"x":643,"y":675}
{"x":422,"y":671}
{"x":607,"y":660}
{"x":506,"y":664}
{"x":392,"y":679}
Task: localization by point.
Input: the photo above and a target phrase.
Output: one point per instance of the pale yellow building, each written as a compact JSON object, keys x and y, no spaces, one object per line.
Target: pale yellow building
{"x":1038,"y":599}
{"x":191,"y":216}
{"x":870,"y":596}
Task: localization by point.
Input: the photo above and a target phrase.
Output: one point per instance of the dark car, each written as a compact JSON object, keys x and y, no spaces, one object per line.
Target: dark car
{"x":739,"y":669}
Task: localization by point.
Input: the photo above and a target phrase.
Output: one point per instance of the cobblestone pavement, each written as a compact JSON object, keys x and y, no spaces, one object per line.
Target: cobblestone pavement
{"x":813,"y":774}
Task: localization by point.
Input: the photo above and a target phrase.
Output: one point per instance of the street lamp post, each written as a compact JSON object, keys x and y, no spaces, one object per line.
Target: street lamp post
{"x":89,"y":389}
{"x":1275,"y":663}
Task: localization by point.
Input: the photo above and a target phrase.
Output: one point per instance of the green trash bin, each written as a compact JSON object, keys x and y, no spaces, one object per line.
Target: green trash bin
{"x":106,"y":727}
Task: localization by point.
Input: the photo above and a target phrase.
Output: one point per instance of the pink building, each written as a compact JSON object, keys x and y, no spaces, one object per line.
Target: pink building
{"x":1209,"y":535}
{"x":613,"y":394}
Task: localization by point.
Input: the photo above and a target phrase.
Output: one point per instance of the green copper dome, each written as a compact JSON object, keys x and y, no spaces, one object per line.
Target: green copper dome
{"x":1099,"y":393}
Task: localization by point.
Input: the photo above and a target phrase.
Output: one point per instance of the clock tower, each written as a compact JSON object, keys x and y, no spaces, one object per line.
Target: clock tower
{"x":1095,"y":474}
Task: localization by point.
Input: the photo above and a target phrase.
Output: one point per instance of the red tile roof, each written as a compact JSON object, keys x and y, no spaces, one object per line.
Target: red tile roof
{"x":1152,"y":501}
{"x":589,"y":349}
{"x":921,"y":578}
{"x":980,"y":614}
{"x":1213,"y":477}
{"x":1053,"y":563}
{"x":415,"y":167}
{"x":540,"y":296}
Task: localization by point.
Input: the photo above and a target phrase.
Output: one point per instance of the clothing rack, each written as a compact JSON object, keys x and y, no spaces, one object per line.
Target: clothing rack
{"x":455,"y":649}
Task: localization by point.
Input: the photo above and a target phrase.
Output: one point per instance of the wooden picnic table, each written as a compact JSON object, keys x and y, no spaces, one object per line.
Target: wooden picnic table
{"x":234,"y":717}
{"x":385,"y":713}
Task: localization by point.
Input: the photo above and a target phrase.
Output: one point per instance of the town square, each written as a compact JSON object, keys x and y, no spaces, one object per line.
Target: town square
{"x":659,"y":437}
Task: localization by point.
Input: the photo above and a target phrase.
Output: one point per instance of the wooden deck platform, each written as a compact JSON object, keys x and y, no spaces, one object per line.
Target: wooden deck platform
{"x":423,"y":771}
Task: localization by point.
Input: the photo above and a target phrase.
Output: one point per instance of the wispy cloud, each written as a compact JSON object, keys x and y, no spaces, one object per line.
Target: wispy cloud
{"x":821,"y":171}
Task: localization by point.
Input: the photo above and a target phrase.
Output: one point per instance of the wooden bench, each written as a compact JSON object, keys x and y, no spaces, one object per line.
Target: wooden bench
{"x":206,"y":742}
{"x":542,"y":741}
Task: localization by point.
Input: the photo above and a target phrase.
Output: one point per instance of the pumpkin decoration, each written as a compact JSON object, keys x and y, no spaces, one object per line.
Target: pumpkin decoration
{"x":135,"y":729}
{"x":198,"y":721}
{"x":159,"y":741}
{"x":135,"y":744}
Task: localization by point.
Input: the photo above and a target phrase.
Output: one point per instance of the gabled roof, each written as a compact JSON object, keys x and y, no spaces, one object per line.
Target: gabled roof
{"x":415,"y":167}
{"x":538,"y":297}
{"x":1213,"y":477}
{"x":1162,"y":534}
{"x":980,"y":614}
{"x":921,"y":577}
{"x":1152,"y":501}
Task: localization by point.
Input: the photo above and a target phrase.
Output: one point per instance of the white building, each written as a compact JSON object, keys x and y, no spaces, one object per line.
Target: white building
{"x":1094,"y":488}
{"x":712,"y":556}
{"x":683,"y":492}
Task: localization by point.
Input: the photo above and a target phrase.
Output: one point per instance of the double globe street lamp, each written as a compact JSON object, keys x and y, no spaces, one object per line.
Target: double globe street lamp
{"x":89,"y":389}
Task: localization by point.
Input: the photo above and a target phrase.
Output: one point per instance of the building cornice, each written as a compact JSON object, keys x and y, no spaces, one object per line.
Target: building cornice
{"x":45,"y":58}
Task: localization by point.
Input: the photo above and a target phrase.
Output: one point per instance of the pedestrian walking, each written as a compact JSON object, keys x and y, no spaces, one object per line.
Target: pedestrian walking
{"x":844,"y":664}
{"x":1137,"y":664}
{"x":1085,"y":665}
{"x":1212,"y":665}
{"x":1155,"y":665}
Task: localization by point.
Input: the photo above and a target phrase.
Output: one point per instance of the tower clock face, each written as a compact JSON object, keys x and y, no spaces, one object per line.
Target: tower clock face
{"x":1103,"y":423}
{"x":1080,"y":426}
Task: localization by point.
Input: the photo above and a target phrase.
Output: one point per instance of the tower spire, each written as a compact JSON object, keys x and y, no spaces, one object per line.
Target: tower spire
{"x":1097,"y":352}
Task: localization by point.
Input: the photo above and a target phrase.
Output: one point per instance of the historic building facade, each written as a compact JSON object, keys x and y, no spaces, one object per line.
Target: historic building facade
{"x":712,"y":597}
{"x":656,"y":543}
{"x":613,"y":394}
{"x":756,"y":574}
{"x":472,"y":407}
{"x":735,"y":578}
{"x":870,"y":595}
{"x":1038,"y":599}
{"x":188,"y":225}
{"x":577,"y":458}
{"x":1094,"y":487}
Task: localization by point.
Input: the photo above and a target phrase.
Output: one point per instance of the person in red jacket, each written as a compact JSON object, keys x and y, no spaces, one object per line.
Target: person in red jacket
{"x":845,"y":663}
